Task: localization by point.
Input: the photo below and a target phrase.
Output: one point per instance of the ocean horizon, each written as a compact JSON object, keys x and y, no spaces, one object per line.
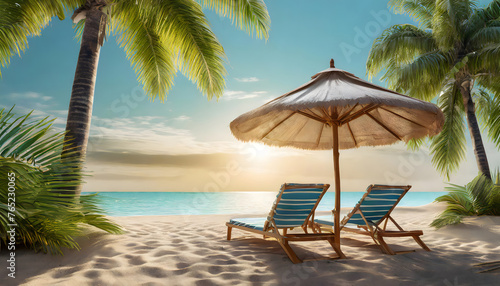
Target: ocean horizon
{"x":208,"y":203}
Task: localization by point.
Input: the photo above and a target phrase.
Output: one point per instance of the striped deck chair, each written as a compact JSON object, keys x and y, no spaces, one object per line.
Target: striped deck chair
{"x":294,"y":207}
{"x":371,"y":215}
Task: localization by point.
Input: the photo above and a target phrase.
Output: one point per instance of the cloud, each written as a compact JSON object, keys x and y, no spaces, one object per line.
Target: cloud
{"x":62,"y":112}
{"x":28,"y":101}
{"x":182,"y":118}
{"x":149,"y":135}
{"x":247,"y":79}
{"x":239,"y":95}
{"x":209,"y":161}
{"x":30,"y":95}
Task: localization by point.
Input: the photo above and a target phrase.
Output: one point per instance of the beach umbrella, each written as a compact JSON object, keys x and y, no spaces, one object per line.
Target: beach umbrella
{"x":337,"y":110}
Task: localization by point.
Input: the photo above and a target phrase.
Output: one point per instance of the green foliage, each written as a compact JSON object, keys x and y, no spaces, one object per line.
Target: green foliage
{"x":479,"y":197}
{"x":419,"y":10}
{"x":248,"y":15}
{"x":159,"y":37}
{"x":48,"y":217}
{"x":454,"y":41}
{"x":488,"y":108}
{"x":448,"y":147}
{"x":21,"y":19}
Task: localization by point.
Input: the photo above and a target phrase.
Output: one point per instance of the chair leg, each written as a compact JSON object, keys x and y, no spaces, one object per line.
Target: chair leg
{"x":337,"y":249}
{"x":289,"y":251}
{"x":377,"y":242}
{"x":421,"y":243}
{"x":384,"y":246}
{"x":229,"y":232}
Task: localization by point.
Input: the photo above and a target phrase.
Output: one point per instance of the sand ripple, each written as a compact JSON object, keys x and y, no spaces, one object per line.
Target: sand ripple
{"x":192,"y":250}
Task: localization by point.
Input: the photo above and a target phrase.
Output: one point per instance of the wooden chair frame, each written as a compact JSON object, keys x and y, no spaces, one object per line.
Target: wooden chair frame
{"x":280,"y":234}
{"x":374,"y":230}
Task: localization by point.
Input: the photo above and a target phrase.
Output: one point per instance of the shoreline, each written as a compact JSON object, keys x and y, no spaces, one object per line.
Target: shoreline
{"x":193,"y":250}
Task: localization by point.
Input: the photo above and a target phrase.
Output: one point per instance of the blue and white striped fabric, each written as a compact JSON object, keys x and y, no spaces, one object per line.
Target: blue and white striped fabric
{"x":374,"y":207}
{"x":292,"y":209}
{"x":295,"y":206}
{"x":252,"y":222}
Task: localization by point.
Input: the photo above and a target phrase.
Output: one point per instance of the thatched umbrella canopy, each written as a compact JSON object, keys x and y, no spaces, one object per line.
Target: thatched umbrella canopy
{"x":338,"y":110}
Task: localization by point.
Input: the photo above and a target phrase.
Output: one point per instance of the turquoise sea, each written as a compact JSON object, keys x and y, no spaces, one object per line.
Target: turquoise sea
{"x":203,"y":203}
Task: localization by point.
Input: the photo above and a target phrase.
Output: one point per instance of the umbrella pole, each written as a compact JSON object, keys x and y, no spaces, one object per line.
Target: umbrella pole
{"x":335,"y":133}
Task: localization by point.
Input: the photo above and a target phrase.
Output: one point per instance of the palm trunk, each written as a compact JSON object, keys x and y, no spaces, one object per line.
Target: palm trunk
{"x":475,"y":133}
{"x":82,"y":94}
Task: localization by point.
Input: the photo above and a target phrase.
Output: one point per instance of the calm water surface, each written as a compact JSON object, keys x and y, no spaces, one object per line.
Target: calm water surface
{"x":202,"y":203}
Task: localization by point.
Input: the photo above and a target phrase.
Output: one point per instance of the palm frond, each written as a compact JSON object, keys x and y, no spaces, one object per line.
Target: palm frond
{"x":175,"y":35}
{"x":458,"y":200}
{"x":448,"y":147}
{"x":485,"y":36}
{"x":488,"y":109}
{"x":22,"y":19}
{"x":415,"y":144}
{"x":447,"y":218}
{"x":489,"y":81}
{"x":423,"y":78}
{"x":447,"y":20}
{"x":419,"y":10}
{"x":78,"y":27}
{"x":398,"y":45}
{"x":483,"y":17}
{"x":48,"y":215}
{"x":200,"y":56}
{"x":28,"y":140}
{"x":479,"y":197}
{"x":494,"y":199}
{"x":459,"y":205}
{"x":137,"y":33}
{"x":485,"y":60}
{"x":248,"y":15}
{"x":479,"y":190}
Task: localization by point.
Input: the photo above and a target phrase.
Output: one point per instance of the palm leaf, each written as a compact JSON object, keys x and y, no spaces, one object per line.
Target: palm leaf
{"x":22,"y":19}
{"x":200,"y":56}
{"x":480,"y":190}
{"x":481,"y":18}
{"x":447,"y":20}
{"x":488,"y":108}
{"x":415,"y":143}
{"x":178,"y":36}
{"x":152,"y":61}
{"x":479,"y":197}
{"x":423,"y":78}
{"x":447,"y":218}
{"x":248,"y":15}
{"x":448,"y":147}
{"x":459,"y":205}
{"x":419,"y":10}
{"x":48,"y":218}
{"x":398,"y":45}
{"x":485,"y":36}
{"x":494,"y":198}
{"x":485,"y":60}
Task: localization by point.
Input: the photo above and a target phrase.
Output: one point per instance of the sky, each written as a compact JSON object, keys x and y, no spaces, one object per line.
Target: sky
{"x":185,"y":143}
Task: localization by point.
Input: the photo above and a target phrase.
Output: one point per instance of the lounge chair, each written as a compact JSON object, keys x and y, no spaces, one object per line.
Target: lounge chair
{"x":294,"y":207}
{"x":371,"y":215}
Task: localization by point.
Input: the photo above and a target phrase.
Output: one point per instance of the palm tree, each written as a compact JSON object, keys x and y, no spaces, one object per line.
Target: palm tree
{"x":452,"y":57}
{"x":160,"y":37}
{"x":35,"y":176}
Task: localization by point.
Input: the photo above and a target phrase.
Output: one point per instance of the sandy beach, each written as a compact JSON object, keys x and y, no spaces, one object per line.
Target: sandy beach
{"x":192,"y":250}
